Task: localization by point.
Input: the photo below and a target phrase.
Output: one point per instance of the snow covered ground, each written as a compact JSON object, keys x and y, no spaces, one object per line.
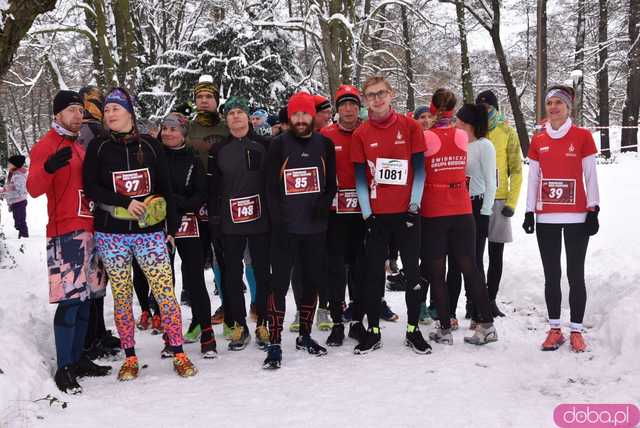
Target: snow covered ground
{"x":506,"y":384}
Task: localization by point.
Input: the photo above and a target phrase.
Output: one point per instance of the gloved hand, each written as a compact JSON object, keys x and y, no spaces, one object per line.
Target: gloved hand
{"x":483,"y":224}
{"x":370,"y":225}
{"x":591,"y":222}
{"x":58,"y":160}
{"x":412,"y":218}
{"x":507,"y":211}
{"x":529,"y":224}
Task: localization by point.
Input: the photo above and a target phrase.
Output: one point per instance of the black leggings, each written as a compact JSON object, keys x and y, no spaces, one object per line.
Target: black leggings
{"x":309,"y":250}
{"x":345,"y":247}
{"x":454,"y":274}
{"x":576,"y":240}
{"x":96,"y":328}
{"x":390,"y":227}
{"x":192,"y":269}
{"x":234,"y":248}
{"x":455,"y":236}
{"x":494,"y":271}
{"x":141,"y":286}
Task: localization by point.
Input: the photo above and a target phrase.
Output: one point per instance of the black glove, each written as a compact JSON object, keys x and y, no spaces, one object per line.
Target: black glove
{"x":370,"y":225}
{"x":320,"y":210}
{"x":529,"y":224}
{"x":591,"y":222}
{"x":507,"y":211}
{"x":58,"y":160}
{"x":412,"y":219}
{"x":483,"y":224}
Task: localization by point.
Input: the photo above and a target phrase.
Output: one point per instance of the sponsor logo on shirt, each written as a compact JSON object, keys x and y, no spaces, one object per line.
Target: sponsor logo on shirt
{"x":373,"y":145}
{"x":544,"y":149}
{"x":338,"y":148}
{"x":571,"y":152}
{"x":400,"y":139}
{"x":304,"y":155}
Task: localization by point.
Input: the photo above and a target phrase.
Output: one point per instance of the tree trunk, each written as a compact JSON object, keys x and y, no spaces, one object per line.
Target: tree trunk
{"x":541,"y":63}
{"x":411,"y":99}
{"x":467,"y":81}
{"x":124,"y":37}
{"x":603,"y":79}
{"x":578,"y":64}
{"x":631,"y":107}
{"x":518,"y":117}
{"x":4,"y":145}
{"x":17,"y":20}
{"x":364,"y":35}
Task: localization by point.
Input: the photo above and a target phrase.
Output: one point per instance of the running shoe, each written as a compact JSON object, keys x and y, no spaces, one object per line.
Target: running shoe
{"x":415,"y":341}
{"x":554,"y":340}
{"x":386,"y":313}
{"x":357,"y":331}
{"x":323,"y":319}
{"x":442,"y":336}
{"x":370,"y":342}
{"x":484,"y":333}
{"x":262,"y":337}
{"x":311,"y":346}
{"x":424,"y":319}
{"x":129,"y":369}
{"x":208,"y":349}
{"x":336,"y":338}
{"x":66,"y":381}
{"x":218,"y":316}
{"x":183,"y":365}
{"x":156,"y":324}
{"x":294,"y":327}
{"x":87,"y":368}
{"x":274,"y":357}
{"x":144,"y":322}
{"x":577,"y":342}
{"x":193,"y":333}
{"x":240,"y":338}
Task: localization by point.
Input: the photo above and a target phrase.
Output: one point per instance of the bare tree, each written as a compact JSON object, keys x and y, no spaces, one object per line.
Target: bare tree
{"x":465,"y":69}
{"x":632,"y":101}
{"x":603,"y":78}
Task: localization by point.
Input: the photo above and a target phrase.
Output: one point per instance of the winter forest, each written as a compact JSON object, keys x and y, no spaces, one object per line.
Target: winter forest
{"x":266,"y":50}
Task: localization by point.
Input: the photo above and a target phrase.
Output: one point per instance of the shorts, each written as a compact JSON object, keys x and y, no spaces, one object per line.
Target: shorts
{"x":75,"y":270}
{"x":499,"y":225}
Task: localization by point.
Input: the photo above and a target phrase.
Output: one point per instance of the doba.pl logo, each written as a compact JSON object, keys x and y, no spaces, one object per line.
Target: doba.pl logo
{"x":596,"y":415}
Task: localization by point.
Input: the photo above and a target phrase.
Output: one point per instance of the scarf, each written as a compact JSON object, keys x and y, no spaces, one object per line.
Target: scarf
{"x":64,"y":132}
{"x":207,"y":118}
{"x":556,"y":134}
{"x":385,"y":121}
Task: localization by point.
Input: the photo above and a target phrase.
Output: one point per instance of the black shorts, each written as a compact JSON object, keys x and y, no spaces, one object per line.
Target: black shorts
{"x":448,"y":235}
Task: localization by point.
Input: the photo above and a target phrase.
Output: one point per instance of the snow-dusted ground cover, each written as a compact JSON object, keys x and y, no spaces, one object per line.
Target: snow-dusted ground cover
{"x":506,"y":384}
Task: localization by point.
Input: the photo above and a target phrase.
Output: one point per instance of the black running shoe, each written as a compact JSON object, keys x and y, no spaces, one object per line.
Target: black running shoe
{"x":337,"y":335}
{"x":274,"y":357}
{"x":370,"y":342}
{"x":357,"y":331}
{"x":396,"y":282}
{"x":110,"y":341}
{"x":86,"y":367}
{"x":310,"y":345}
{"x":386,"y":313}
{"x":415,"y":341}
{"x":66,"y":381}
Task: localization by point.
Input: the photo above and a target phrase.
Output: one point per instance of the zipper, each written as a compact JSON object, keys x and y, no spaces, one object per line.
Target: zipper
{"x":126,"y":149}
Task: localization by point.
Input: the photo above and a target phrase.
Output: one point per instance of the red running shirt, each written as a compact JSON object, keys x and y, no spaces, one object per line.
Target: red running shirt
{"x":394,"y":141}
{"x":561,"y":186}
{"x":445,"y":191}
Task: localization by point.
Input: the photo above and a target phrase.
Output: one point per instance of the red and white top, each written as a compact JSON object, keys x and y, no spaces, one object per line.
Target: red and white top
{"x":386,"y":147}
{"x":346,"y":199}
{"x":445,"y":191}
{"x":563,"y":183}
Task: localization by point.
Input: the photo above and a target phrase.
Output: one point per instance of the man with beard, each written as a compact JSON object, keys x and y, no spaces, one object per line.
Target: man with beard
{"x":301,"y":184}
{"x":75,"y":276}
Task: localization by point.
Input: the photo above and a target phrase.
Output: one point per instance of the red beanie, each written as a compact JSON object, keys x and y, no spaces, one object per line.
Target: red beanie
{"x":347,"y":93}
{"x":322,"y":103}
{"x":301,"y":102}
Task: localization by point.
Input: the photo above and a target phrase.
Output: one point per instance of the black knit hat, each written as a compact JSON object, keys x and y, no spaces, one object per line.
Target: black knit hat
{"x":283,"y":116}
{"x":17,"y":160}
{"x":475,"y":115}
{"x":487,"y":97}
{"x":64,"y":99}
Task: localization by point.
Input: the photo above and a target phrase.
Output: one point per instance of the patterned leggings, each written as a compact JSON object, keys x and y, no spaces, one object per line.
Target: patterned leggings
{"x":150,"y":251}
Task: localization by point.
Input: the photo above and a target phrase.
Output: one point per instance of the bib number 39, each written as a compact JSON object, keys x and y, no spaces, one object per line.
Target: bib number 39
{"x":559,"y":192}
{"x":392,"y":171}
{"x":85,"y":205}
{"x":301,"y":180}
{"x":244,"y":210}
{"x":132,"y":183}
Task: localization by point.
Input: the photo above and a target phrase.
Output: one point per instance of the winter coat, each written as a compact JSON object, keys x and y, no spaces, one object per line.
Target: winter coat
{"x":16,"y":188}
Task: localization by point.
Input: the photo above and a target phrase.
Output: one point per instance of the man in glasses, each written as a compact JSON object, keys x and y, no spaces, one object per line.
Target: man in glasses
{"x":388,"y":153}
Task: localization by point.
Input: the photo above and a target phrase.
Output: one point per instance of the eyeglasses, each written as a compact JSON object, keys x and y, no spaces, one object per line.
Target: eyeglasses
{"x":377,"y":95}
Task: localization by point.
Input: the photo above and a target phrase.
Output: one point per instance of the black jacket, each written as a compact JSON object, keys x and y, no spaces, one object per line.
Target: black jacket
{"x":188,"y":180}
{"x":300,"y":212}
{"x":237,"y":169}
{"x":108,"y":155}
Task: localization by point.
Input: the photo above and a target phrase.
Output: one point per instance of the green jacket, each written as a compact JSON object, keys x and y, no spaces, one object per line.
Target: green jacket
{"x":202,"y":137}
{"x":509,"y":163}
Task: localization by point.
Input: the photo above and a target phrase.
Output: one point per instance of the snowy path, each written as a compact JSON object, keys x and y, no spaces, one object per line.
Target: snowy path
{"x":506,"y":384}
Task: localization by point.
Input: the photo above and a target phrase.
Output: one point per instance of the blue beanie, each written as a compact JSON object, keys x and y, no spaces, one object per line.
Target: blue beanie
{"x":261,"y":114}
{"x":120,"y":97}
{"x":420,"y":111}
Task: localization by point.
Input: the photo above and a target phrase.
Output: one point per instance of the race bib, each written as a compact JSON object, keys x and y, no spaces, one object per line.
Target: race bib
{"x":347,"y":202}
{"x":203,"y":214}
{"x":188,"y":227}
{"x":244,"y":210}
{"x":558,"y":192}
{"x":85,"y":205}
{"x":298,"y":181}
{"x":132,"y":183}
{"x":392,"y":171}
